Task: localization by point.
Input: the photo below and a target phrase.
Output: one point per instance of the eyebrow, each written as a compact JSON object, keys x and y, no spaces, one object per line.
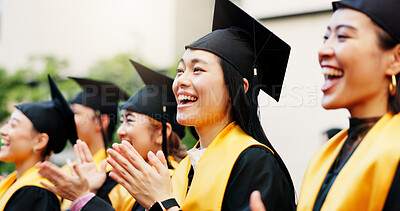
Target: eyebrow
{"x":343,"y":26}
{"x":15,"y":119}
{"x":194,"y":61}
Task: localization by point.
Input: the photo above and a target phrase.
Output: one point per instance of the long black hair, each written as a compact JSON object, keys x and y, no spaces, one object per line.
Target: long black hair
{"x":241,"y":102}
{"x":387,"y":42}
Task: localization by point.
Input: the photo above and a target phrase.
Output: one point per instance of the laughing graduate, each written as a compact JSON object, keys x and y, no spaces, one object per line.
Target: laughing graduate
{"x":148,"y":123}
{"x":217,"y":83}
{"x":34,"y":131}
{"x":96,"y":116}
{"x":358,"y":169}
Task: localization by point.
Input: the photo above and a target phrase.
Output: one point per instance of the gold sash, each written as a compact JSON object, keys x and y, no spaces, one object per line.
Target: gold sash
{"x":365,"y":180}
{"x":10,"y":184}
{"x":212,"y":171}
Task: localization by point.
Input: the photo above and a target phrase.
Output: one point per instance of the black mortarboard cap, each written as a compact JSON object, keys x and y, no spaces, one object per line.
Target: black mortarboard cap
{"x":55,"y":118}
{"x":151,"y":99}
{"x":383,"y":12}
{"x":102,"y":97}
{"x":245,"y":43}
{"x":99,"y":95}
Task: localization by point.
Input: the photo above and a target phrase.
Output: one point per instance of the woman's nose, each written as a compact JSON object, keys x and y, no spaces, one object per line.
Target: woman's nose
{"x":3,"y":130}
{"x":183,"y":80}
{"x":121,"y":130}
{"x":326,"y":50}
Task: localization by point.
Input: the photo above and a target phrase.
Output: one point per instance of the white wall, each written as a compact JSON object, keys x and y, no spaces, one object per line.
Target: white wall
{"x":273,"y":8}
{"x":86,"y":31}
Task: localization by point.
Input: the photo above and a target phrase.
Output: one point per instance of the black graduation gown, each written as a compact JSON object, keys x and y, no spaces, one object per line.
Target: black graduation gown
{"x":103,"y":193}
{"x":358,"y":130}
{"x":393,"y":198}
{"x":256,"y":163}
{"x":33,"y":198}
{"x":256,"y":168}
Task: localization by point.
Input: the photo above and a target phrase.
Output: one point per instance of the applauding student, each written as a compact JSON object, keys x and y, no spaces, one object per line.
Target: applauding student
{"x":34,"y":131}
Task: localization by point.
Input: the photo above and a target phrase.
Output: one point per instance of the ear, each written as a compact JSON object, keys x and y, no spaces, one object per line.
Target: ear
{"x":105,"y":121}
{"x":394,"y":64}
{"x":168,"y":130}
{"x":42,"y":141}
{"x":246,"y":85}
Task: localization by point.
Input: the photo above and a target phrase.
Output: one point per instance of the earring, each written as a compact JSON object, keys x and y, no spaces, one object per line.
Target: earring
{"x":392,"y":86}
{"x":35,"y":150}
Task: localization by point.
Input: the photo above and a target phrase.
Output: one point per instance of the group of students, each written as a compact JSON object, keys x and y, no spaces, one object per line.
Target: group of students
{"x":233,"y":166}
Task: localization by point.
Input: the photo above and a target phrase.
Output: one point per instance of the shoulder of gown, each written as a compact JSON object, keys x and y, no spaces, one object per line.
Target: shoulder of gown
{"x":392,"y":200}
{"x":33,"y":198}
{"x":257,"y":169}
{"x":96,"y":203}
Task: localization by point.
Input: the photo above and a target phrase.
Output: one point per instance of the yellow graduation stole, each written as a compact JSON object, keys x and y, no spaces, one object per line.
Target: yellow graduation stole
{"x":365,"y":180}
{"x":212,"y":171}
{"x":125,"y":201}
{"x":10,"y":184}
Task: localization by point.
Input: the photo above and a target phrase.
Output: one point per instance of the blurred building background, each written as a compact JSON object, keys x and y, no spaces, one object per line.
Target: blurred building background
{"x":155,"y":31}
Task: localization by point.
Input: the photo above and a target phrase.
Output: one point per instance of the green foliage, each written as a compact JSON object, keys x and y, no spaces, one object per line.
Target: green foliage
{"x":30,"y":84}
{"x":3,"y":96}
{"x":118,"y":70}
{"x":6,"y":168}
{"x":189,"y":141}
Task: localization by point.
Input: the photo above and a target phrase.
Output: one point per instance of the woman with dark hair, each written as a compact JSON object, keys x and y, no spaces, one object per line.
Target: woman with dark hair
{"x":149,"y":124}
{"x":358,"y":169}
{"x":34,"y":131}
{"x":216,"y":87}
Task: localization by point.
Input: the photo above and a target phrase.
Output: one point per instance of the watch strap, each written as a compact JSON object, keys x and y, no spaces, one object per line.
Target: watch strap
{"x":164,"y":205}
{"x":170,"y":203}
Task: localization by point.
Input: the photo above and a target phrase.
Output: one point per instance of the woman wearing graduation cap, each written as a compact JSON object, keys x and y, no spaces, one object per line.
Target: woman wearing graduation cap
{"x":148,"y":123}
{"x":96,"y":116}
{"x":358,"y":169}
{"x":216,"y":87}
{"x":34,"y":131}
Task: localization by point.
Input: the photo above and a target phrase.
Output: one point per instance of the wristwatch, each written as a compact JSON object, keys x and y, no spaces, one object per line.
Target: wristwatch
{"x":164,"y":205}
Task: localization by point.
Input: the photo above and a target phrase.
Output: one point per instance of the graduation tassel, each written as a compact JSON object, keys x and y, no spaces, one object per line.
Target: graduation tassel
{"x":254,"y":96}
{"x":164,"y":137}
{"x":105,"y":139}
{"x":254,"y":102}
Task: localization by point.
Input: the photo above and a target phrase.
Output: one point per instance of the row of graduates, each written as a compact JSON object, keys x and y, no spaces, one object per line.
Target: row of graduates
{"x":216,"y":87}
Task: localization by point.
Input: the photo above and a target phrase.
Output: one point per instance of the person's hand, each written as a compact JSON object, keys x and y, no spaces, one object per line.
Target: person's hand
{"x":144,"y":182}
{"x":85,"y":159}
{"x":256,"y":203}
{"x":67,"y":186}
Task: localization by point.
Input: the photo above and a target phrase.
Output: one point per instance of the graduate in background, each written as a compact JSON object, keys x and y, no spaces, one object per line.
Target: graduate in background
{"x":34,"y":131}
{"x":96,"y":116}
{"x":216,"y":87}
{"x":358,"y":169}
{"x":148,"y":123}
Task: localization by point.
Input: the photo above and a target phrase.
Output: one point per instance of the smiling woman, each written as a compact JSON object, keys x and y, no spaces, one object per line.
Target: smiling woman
{"x":358,"y":169}
{"x":28,"y":138}
{"x":217,"y":83}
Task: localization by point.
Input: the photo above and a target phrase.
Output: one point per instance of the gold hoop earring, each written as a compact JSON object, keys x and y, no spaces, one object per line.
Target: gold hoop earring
{"x":392,"y":86}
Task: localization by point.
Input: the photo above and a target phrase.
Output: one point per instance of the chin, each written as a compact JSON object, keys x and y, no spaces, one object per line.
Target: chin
{"x":328,"y":103}
{"x":330,"y":106}
{"x":186,"y":120}
{"x":3,"y":158}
